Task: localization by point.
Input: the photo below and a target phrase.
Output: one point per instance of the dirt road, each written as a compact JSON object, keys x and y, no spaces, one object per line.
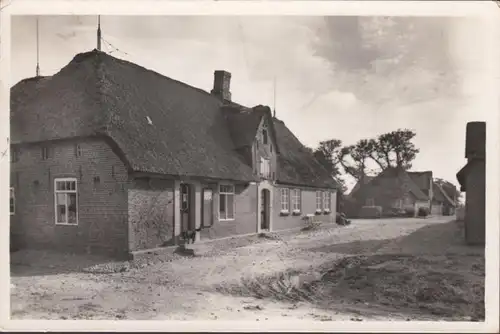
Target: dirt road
{"x":253,"y":278}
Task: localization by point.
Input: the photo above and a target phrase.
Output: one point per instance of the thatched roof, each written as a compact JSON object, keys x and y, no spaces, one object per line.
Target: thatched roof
{"x":404,"y":177}
{"x":440,"y":194}
{"x":296,"y":164}
{"x":159,"y":124}
{"x":422,"y":180}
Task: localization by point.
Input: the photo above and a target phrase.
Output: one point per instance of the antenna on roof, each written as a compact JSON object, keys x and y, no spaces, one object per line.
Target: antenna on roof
{"x":37,"y":50}
{"x":274,"y":98}
{"x":99,"y":32}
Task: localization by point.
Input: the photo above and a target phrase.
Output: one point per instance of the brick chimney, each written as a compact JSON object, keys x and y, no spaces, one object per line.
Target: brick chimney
{"x":222,"y":82}
{"x":475,"y":140}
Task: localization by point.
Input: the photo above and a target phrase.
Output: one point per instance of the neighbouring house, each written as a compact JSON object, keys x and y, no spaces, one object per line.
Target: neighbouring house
{"x":110,"y":157}
{"x":392,"y":189}
{"x":443,"y":202}
{"x":472,"y":181}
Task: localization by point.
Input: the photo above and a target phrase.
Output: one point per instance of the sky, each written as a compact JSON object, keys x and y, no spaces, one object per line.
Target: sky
{"x":342,"y":77}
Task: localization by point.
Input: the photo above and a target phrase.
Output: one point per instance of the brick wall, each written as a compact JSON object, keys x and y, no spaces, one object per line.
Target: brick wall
{"x":102,"y":204}
{"x":308,"y":203}
{"x":246,"y":211}
{"x":151,"y":213}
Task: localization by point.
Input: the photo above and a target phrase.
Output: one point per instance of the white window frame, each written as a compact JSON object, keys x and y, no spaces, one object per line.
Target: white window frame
{"x":225,"y":193}
{"x":12,"y":195}
{"x":296,"y":200}
{"x":265,"y":167}
{"x":75,"y":191}
{"x":319,"y":201}
{"x":327,"y":203}
{"x":285,"y":200}
{"x":371,"y":201}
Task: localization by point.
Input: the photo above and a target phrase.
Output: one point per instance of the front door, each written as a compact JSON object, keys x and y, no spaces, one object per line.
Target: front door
{"x":186,"y":208}
{"x":264,"y":209}
{"x":207,"y":208}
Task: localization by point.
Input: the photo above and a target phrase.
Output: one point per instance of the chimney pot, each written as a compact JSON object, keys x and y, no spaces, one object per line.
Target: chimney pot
{"x":475,"y":141}
{"x":222,"y":85}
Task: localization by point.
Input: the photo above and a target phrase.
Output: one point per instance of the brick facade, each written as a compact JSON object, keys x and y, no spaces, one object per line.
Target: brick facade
{"x":102,"y":185}
{"x":283,"y":221}
{"x":150,"y":214}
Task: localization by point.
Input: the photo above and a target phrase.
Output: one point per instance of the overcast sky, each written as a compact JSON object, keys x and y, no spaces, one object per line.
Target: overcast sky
{"x":337,"y":77}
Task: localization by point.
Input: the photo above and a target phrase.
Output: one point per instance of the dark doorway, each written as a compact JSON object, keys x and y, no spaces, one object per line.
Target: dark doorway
{"x":265,"y":209}
{"x":186,"y":201}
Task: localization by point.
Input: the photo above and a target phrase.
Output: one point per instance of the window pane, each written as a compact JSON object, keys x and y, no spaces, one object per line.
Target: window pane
{"x":61,"y":208}
{"x":230,"y":206}
{"x":222,"y":206}
{"x":72,"y":207}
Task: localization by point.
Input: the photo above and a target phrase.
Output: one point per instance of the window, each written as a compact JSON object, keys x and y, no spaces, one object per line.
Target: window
{"x":265,"y":170}
{"x":398,"y":204}
{"x":326,"y":201}
{"x":370,"y":202}
{"x":226,"y":202}
{"x":66,"y":201}
{"x":319,"y":203}
{"x":78,"y":151}
{"x":45,"y":153}
{"x":285,"y":200}
{"x":12,"y":201}
{"x":14,"y":155}
{"x":296,"y":200}
{"x":264,"y":133}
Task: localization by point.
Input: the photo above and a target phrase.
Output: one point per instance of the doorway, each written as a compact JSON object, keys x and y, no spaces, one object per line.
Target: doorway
{"x":186,"y":201}
{"x":265,"y":204}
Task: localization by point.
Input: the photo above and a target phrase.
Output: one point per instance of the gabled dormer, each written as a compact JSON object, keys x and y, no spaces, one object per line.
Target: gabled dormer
{"x":264,"y":148}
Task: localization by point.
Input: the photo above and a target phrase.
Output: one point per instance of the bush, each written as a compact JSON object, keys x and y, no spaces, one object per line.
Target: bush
{"x":423,"y":212}
{"x":371,"y":212}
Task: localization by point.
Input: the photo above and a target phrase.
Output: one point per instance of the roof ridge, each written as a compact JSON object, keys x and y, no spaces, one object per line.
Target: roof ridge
{"x":129,"y":63}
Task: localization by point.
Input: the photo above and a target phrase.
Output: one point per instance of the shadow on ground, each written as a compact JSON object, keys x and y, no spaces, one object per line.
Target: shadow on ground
{"x":26,"y":263}
{"x":440,"y":238}
{"x":430,"y":272}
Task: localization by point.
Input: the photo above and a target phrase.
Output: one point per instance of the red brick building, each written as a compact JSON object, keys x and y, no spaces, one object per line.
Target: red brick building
{"x":110,"y":157}
{"x":472,"y":179}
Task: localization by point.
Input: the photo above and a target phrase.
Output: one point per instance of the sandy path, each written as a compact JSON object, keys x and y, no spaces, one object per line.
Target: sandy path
{"x":183,"y":289}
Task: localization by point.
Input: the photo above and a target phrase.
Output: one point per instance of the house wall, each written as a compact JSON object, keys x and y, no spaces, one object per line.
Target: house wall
{"x":102,"y":206}
{"x":150,"y":213}
{"x":475,"y":207}
{"x":308,"y":205}
{"x":245,"y":217}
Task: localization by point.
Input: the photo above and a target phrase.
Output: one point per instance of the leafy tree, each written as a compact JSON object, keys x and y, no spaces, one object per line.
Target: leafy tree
{"x":394,"y":149}
{"x":327,"y":154}
{"x":354,"y":158}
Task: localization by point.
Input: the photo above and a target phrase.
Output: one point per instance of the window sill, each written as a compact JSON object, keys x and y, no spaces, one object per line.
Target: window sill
{"x":284,"y":213}
{"x":296,"y":212}
{"x":65,"y":224}
{"x":227,"y":220}
{"x":318,"y":212}
{"x":326,"y":212}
